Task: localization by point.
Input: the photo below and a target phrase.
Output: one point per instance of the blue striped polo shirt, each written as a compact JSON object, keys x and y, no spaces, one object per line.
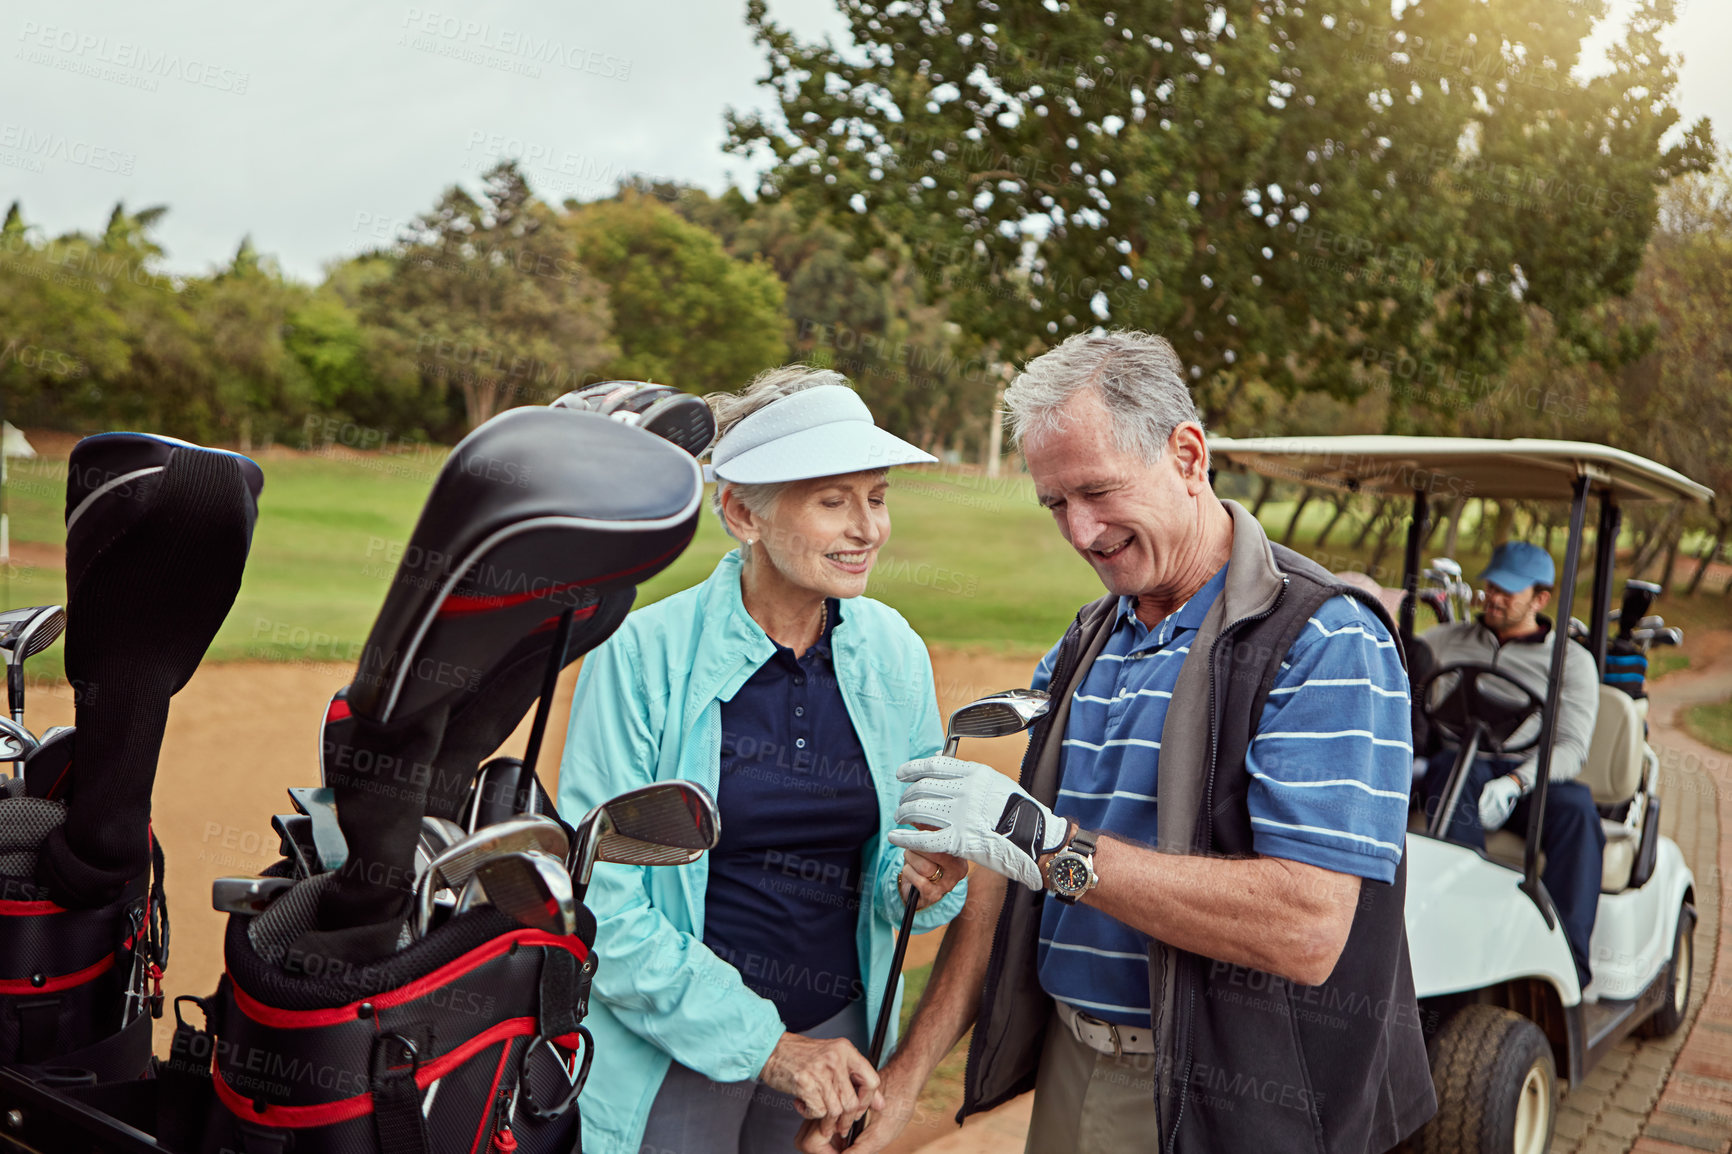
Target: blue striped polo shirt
{"x":1330,"y":768}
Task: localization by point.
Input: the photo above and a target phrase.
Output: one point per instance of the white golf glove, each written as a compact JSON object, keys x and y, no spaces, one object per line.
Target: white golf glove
{"x":1496,"y":801}
{"x":977,"y":813}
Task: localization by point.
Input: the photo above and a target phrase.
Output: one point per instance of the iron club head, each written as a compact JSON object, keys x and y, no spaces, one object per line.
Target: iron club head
{"x":532,"y":887}
{"x":16,"y":742}
{"x":456,"y":864}
{"x":996,"y":715}
{"x":668,"y":823}
{"x":23,"y":634}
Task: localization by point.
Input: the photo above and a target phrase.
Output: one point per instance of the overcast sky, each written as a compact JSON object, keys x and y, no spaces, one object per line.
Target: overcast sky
{"x":321,"y":126}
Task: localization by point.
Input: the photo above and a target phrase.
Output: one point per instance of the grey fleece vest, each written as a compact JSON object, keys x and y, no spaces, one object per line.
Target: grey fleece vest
{"x":1245,"y":1060}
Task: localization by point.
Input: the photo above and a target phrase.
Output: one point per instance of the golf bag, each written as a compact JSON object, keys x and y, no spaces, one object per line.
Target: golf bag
{"x":75,"y":984}
{"x":157,"y":533}
{"x":469,"y":1040}
{"x":335,"y":1027}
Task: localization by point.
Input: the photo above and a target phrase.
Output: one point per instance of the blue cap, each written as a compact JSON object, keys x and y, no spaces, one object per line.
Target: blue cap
{"x":1516,"y":565}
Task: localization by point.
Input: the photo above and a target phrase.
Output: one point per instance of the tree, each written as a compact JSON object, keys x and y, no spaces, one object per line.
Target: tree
{"x":487,"y":299}
{"x":864,"y":314}
{"x":58,"y":336}
{"x":259,"y":387}
{"x":1288,"y":192}
{"x":684,"y":312}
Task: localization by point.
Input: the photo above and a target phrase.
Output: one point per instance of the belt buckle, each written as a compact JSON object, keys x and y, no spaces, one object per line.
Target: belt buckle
{"x":1111,"y":1028}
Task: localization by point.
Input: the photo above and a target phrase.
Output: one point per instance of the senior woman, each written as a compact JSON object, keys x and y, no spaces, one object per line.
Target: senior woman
{"x":732,"y":996}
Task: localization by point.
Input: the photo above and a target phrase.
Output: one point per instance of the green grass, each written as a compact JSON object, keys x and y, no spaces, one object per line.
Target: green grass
{"x":1711,"y":724}
{"x":942,"y":1095}
{"x":971,"y":562}
{"x":1664,"y":661}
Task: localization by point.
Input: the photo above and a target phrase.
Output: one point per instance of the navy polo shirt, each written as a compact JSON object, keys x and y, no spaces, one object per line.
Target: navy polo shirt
{"x":798,"y":807}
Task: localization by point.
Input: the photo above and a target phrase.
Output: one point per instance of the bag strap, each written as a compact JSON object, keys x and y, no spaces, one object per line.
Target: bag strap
{"x":184,"y":1080}
{"x":398,"y":1123}
{"x":564,"y":992}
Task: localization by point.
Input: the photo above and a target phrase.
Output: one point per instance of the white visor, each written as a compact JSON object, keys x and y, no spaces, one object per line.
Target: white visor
{"x":824,"y":431}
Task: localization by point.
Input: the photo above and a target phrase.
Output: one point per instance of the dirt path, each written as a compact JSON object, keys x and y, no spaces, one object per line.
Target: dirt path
{"x":241,"y":734}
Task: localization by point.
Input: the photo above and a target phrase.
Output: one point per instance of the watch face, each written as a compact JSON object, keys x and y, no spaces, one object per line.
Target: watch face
{"x":1069,"y":874}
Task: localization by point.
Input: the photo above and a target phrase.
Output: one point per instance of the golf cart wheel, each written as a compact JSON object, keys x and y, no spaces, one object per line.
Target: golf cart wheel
{"x":1497,"y":1087}
{"x":1666,"y":1020}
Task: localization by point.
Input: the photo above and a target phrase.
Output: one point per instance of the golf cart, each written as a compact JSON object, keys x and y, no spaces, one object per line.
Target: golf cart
{"x":1505,"y":1016}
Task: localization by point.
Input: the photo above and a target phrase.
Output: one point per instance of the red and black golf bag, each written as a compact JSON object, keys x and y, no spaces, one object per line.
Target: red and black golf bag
{"x":157,"y":533}
{"x":339,"y":1025}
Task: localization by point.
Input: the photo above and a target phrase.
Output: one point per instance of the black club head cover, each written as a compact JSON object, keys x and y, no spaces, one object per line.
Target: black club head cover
{"x":481,"y":721}
{"x":536,"y":511}
{"x":157,"y":533}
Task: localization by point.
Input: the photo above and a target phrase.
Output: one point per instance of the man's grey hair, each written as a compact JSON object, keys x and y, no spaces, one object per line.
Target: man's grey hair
{"x":730,"y":409}
{"x":1137,"y":376}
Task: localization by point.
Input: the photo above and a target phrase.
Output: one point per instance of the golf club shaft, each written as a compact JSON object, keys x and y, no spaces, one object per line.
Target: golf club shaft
{"x":549,"y":686}
{"x":881,"y":1032}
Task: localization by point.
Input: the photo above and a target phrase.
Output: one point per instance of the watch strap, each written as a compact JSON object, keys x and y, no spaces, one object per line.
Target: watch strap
{"x":1083,"y":841}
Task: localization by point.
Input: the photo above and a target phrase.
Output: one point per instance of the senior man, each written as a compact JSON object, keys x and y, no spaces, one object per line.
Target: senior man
{"x":1200,"y":945}
{"x":1513,"y":635}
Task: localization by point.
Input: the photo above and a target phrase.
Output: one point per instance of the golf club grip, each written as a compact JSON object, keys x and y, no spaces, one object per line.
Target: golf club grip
{"x":881,"y":1032}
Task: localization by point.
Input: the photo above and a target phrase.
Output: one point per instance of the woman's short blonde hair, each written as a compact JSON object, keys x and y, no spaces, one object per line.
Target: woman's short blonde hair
{"x":730,"y":409}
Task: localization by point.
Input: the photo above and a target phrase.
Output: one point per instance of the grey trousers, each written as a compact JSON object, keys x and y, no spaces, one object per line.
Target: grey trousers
{"x":693,"y":1115}
{"x":1086,"y":1102}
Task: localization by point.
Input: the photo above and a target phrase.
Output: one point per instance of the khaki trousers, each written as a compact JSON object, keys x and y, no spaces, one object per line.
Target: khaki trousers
{"x":1086,"y":1102}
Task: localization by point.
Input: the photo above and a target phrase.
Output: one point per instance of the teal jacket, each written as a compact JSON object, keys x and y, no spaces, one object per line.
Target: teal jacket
{"x":648,"y":708}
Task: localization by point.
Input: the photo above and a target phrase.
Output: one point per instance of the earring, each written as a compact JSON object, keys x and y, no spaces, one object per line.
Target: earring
{"x":749,"y":542}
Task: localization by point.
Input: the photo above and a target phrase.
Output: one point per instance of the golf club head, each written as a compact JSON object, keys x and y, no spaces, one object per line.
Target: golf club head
{"x":453,"y":866}
{"x":16,"y":742}
{"x":1648,"y":636}
{"x":663,"y":410}
{"x":998,"y":715}
{"x":669,"y":823}
{"x":1448,"y":566}
{"x":26,"y":632}
{"x":247,"y":896}
{"x":437,"y":835}
{"x":532,"y":888}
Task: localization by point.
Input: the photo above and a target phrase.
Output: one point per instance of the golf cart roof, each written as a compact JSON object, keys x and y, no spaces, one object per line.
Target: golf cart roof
{"x":1519,"y":468}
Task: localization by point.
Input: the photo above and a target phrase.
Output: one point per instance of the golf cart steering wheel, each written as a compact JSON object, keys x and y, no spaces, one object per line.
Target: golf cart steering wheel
{"x":1501,"y":712}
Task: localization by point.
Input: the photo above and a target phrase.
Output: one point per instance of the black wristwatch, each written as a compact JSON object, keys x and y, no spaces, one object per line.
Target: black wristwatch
{"x":1071,"y":872}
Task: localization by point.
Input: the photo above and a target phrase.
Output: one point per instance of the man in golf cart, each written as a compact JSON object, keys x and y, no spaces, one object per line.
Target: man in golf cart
{"x":1513,"y":636}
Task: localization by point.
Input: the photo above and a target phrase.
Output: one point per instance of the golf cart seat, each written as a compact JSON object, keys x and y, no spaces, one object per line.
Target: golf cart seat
{"x":1613,"y":773}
